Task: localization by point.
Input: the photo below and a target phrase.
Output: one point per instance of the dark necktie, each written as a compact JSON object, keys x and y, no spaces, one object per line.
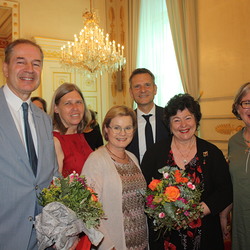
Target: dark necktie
{"x":148,"y":131}
{"x":29,"y":141}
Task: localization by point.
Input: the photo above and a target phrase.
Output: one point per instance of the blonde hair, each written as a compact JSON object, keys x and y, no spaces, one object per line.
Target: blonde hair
{"x":244,"y":90}
{"x":114,"y":112}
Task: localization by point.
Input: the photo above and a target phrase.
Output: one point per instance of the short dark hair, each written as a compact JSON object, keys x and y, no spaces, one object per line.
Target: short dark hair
{"x":244,"y":89}
{"x":141,"y":71}
{"x":93,"y":122}
{"x":41,"y":100}
{"x":9,"y":49}
{"x":181,"y":102}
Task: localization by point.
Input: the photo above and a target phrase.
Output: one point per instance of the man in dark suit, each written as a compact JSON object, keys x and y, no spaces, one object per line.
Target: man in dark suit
{"x":21,"y":180}
{"x":143,"y":90}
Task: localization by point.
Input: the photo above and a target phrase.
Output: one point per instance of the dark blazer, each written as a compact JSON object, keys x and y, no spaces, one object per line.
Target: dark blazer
{"x":217,"y":192}
{"x":19,"y":187}
{"x":161,"y":132}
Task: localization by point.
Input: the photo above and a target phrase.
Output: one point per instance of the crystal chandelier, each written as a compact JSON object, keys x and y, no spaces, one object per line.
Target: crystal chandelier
{"x":92,"y":52}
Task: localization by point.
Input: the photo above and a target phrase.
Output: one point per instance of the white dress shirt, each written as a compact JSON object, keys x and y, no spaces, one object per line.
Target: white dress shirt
{"x":16,"y":110}
{"x":141,"y":123}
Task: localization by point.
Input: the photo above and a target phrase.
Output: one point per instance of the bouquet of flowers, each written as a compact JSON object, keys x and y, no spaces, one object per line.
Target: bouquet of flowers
{"x":173,"y":202}
{"x":70,"y":207}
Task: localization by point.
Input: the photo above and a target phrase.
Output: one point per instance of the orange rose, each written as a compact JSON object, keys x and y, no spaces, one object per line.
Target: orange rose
{"x":94,"y":198}
{"x":90,"y":189}
{"x":178,"y":177}
{"x":153,"y":184}
{"x":172,"y":193}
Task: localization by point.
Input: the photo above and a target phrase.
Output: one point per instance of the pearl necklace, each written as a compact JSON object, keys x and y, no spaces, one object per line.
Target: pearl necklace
{"x":121,"y":158}
{"x":185,"y":157}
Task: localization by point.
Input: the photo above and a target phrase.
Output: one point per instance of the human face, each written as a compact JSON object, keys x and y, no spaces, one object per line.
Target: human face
{"x":71,"y":110}
{"x":121,"y":140}
{"x":23,"y":72}
{"x":38,"y":104}
{"x":143,"y":90}
{"x":244,"y":113}
{"x":183,"y":125}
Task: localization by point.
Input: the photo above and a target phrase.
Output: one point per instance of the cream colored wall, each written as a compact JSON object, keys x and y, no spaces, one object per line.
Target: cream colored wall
{"x":224,"y":60}
{"x":50,"y":23}
{"x":58,"y":19}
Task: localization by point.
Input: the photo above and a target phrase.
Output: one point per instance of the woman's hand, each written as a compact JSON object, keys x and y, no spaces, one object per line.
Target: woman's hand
{"x":225,"y":228}
{"x":224,"y":216}
{"x":206,"y":210}
{"x":74,"y":245}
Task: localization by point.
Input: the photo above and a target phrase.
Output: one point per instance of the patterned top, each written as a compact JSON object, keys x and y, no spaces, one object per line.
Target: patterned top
{"x":133,"y":188}
{"x":190,"y":238}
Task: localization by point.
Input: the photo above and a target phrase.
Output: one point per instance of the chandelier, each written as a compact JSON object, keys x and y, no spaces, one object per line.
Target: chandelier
{"x":92,"y":52}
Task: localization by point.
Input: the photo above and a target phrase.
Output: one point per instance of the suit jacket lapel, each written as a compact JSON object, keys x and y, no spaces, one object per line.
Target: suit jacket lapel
{"x":135,"y":142}
{"x":11,"y":133}
{"x":158,"y":122}
{"x":39,"y":127}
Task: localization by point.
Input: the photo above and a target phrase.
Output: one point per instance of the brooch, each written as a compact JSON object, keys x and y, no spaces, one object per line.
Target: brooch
{"x":205,"y":154}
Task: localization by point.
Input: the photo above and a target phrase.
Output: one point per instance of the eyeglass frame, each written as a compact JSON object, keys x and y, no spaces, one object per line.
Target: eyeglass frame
{"x":247,"y":101}
{"x":120,"y":130}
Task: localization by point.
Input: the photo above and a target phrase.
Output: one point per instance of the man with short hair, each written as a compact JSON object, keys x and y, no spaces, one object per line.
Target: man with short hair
{"x":143,"y":90}
{"x":26,"y":165}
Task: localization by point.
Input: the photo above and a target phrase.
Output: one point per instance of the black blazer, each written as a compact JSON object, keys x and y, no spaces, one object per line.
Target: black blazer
{"x":161,"y":132}
{"x":217,"y":192}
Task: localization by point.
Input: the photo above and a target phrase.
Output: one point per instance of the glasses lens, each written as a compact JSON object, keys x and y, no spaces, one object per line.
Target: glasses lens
{"x":245,"y":104}
{"x":116,"y":129}
{"x":129,"y":130}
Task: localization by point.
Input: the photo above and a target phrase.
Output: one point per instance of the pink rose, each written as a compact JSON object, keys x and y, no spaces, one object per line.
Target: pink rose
{"x":166,"y":175}
{"x":149,"y":202}
{"x":161,"y":215}
{"x":191,"y":185}
{"x":183,"y":200}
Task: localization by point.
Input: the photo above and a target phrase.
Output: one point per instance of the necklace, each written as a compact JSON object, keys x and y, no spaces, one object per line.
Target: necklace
{"x":244,"y":136}
{"x":183,"y":156}
{"x":121,"y":158}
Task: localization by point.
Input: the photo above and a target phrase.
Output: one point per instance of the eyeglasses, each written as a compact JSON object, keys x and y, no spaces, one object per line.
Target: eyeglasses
{"x":245,"y":104}
{"x":117,"y":129}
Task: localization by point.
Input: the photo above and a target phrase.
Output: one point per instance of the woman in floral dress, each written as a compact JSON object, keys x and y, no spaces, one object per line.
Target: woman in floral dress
{"x":204,"y":163}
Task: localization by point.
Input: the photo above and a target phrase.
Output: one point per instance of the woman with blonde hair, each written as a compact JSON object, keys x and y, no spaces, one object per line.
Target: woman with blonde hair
{"x":116,"y":177}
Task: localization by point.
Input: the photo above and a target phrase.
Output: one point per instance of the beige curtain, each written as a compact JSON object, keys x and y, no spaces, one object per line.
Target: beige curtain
{"x":182,"y":18}
{"x":133,"y":23}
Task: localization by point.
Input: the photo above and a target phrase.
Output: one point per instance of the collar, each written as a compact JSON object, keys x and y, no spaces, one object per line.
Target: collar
{"x":13,"y":101}
{"x":140,"y":113}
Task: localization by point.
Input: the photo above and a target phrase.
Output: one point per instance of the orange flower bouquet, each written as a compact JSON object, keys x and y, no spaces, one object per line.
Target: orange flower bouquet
{"x":173,"y":202}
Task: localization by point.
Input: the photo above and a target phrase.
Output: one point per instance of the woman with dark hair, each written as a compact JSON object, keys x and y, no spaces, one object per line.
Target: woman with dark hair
{"x":204,"y":163}
{"x":116,"y":177}
{"x":39,"y":102}
{"x":92,"y":132}
{"x":70,"y":116}
{"x":239,"y":160}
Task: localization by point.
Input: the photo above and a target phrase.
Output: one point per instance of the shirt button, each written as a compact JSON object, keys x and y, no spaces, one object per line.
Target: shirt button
{"x":30,"y":218}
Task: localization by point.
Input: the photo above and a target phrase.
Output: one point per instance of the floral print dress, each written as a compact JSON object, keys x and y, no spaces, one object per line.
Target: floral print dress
{"x":190,"y":238}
